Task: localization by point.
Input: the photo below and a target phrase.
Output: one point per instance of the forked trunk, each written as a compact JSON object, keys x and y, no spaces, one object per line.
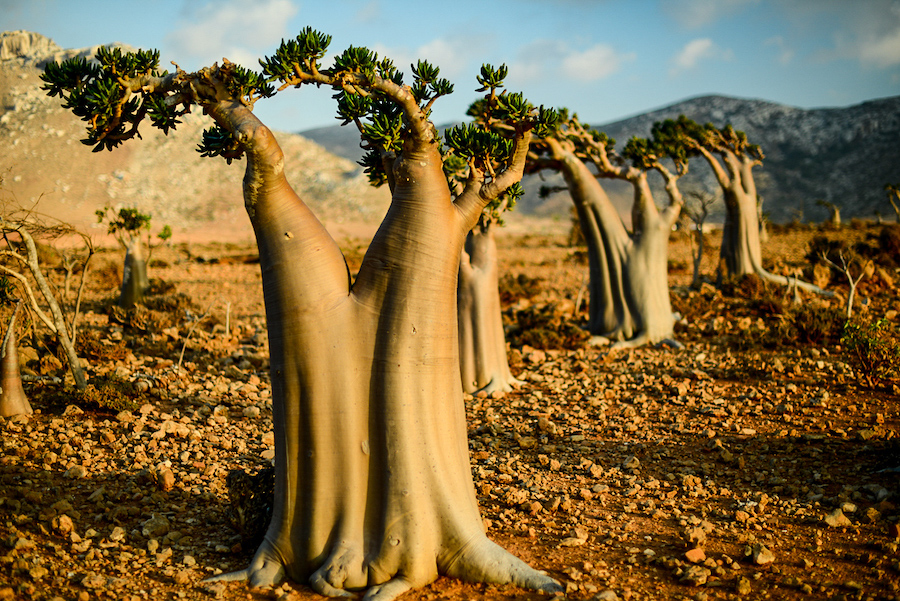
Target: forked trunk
{"x":741,"y":249}
{"x":482,"y":342}
{"x":134,"y":275}
{"x":741,"y":252}
{"x":373,"y":487}
{"x":12,"y":396}
{"x":629,"y":290}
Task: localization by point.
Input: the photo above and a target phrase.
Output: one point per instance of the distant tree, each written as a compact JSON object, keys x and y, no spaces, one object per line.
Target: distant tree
{"x":628,"y":272}
{"x":834,"y":212}
{"x":373,"y":487}
{"x":732,"y":159}
{"x":697,"y":205}
{"x":129,"y":225}
{"x":484,"y":365}
{"x":893,"y":193}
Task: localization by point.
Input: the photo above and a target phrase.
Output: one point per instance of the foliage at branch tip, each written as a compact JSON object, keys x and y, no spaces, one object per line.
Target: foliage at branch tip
{"x":116,"y":91}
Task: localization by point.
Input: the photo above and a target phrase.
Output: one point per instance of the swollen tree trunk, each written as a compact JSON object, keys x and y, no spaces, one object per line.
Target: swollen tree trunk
{"x":373,"y":487}
{"x":482,"y":342}
{"x":629,"y":290}
{"x":134,"y":274}
{"x":741,"y":251}
{"x":12,"y":396}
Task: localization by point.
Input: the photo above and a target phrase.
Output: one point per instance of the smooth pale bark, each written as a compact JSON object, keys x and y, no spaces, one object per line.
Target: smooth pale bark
{"x":741,"y":251}
{"x":373,"y":487}
{"x":629,"y":291}
{"x":134,"y":274}
{"x":482,"y":343}
{"x":12,"y":396}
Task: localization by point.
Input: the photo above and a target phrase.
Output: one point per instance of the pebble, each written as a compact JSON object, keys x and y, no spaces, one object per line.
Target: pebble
{"x":837,"y":519}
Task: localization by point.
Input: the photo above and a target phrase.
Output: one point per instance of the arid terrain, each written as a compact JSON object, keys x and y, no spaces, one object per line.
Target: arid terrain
{"x":753,"y":463}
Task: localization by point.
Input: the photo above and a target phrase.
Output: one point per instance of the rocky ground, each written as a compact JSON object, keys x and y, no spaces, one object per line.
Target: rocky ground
{"x":743,"y":466}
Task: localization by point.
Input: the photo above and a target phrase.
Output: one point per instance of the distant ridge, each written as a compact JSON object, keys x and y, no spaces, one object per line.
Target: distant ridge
{"x":841,"y":155}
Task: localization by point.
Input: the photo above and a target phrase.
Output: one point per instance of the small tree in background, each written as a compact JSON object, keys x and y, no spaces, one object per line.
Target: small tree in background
{"x":893,"y":194}
{"x":732,"y":159}
{"x":373,"y":486}
{"x":129,"y":225}
{"x":696,"y":207}
{"x":484,"y":364}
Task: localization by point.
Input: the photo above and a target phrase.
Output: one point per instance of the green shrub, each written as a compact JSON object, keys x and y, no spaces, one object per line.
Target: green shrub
{"x":874,"y":351}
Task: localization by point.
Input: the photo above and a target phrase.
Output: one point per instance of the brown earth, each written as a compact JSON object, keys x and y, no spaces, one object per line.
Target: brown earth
{"x":746,"y":465}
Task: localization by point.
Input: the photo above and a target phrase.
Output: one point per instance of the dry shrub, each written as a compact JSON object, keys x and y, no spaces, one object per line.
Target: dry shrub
{"x":251,"y":499}
{"x":105,"y":275}
{"x":873,"y":348}
{"x":812,"y":324}
{"x":514,"y":288}
{"x":91,"y":346}
{"x":546,"y":327}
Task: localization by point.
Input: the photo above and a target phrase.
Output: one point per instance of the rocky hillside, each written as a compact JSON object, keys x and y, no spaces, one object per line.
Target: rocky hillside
{"x":45,"y":166}
{"x":842,"y":155}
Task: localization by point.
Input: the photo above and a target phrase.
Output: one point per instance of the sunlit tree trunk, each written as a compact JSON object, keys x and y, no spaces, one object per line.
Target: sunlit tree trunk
{"x":482,"y":343}
{"x":741,"y":251}
{"x":12,"y":396}
{"x":373,"y":487}
{"x":134,"y":274}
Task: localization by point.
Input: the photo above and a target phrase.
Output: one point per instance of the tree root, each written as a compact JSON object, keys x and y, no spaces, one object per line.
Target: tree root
{"x":483,"y":560}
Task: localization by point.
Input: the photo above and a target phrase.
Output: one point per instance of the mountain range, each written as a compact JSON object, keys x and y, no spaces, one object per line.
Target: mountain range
{"x":843,"y":156}
{"x":840,"y":155}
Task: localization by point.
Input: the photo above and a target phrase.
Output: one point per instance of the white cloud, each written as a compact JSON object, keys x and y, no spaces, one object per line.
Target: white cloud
{"x":867,"y":32}
{"x":239,"y":30}
{"x":694,"y":52}
{"x":454,"y":56}
{"x":544,"y":59}
{"x":597,"y":62}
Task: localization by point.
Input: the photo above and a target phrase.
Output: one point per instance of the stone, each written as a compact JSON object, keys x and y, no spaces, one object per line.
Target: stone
{"x":696,"y":555}
{"x":761,"y":555}
{"x":695,"y":576}
{"x":837,"y":519}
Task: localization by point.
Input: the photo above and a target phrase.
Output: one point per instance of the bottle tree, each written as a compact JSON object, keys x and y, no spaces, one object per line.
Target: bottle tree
{"x":628,"y":298}
{"x":129,"y":225}
{"x":373,"y":488}
{"x":484,"y":365}
{"x":732,"y":159}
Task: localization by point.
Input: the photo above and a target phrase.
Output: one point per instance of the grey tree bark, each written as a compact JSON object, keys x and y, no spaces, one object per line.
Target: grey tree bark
{"x":741,"y":251}
{"x":628,"y":290}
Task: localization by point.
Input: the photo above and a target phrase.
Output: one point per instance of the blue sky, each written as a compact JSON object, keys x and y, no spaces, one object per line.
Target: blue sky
{"x":604,"y":59}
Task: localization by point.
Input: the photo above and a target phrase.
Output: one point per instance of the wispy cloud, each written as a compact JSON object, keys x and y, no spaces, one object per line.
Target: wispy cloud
{"x":548,"y":58}
{"x":693,"y":14}
{"x":785,"y":53}
{"x":694,"y":52}
{"x":454,"y":55}
{"x":239,"y":30}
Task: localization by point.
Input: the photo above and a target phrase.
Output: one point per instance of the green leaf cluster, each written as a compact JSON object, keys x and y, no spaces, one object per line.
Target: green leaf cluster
{"x":94,"y":92}
{"x":127,"y":220}
{"x":294,"y":56}
{"x":218,"y":141}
